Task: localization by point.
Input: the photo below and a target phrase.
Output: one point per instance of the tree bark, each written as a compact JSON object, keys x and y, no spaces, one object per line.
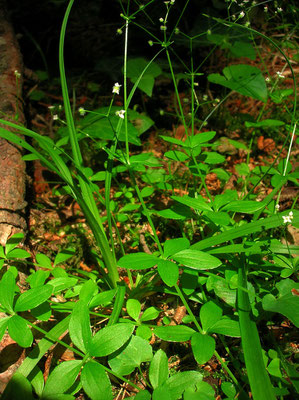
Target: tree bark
{"x":12,"y":167}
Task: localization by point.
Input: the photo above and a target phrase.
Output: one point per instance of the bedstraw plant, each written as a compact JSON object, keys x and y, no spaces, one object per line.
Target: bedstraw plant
{"x":231,"y":272}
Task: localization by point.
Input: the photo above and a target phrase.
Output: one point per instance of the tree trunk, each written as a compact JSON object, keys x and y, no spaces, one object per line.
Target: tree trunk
{"x":12,"y":167}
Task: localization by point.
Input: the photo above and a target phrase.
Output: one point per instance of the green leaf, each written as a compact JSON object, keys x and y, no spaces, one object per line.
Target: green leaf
{"x":19,"y":331}
{"x":200,"y":138}
{"x":95,"y":381}
{"x":18,"y":253}
{"x":202,"y":391}
{"x":36,"y":378}
{"x":64,"y":255}
{"x":287,"y":303}
{"x":43,"y":260}
{"x":38,"y":278}
{"x":179,"y":333}
{"x":173,"y":246}
{"x":79,"y":327}
{"x":144,"y":332}
{"x":162,"y":392}
{"x":13,"y":241}
{"x":203,"y":347}
{"x":110,"y":339}
{"x":143,"y":395}
{"x":133,"y":308}
{"x":211,"y":157}
{"x":168,"y":271}
{"x":3,"y":326}
{"x":244,"y":206}
{"x":17,"y":388}
{"x":222,"y":290}
{"x":149,"y":314}
{"x":196,"y":259}
{"x":243,"y":49}
{"x":189,"y":281}
{"x":7,"y":291}
{"x":209,"y":314}
{"x":266,"y":123}
{"x":42,"y":312}
{"x":88,"y":291}
{"x":196,"y":203}
{"x":127,"y":358}
{"x":33,"y":298}
{"x":62,"y":378}
{"x":60,"y":284}
{"x":227,"y":327}
{"x":102,"y":298}
{"x":137,"y":261}
{"x":181,"y":381}
{"x":135,"y":68}
{"x":158,"y":370}
{"x":176,"y":155}
{"x":244,"y":79}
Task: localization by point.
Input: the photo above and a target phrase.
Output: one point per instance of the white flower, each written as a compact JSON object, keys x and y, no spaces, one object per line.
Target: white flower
{"x":277,"y":207}
{"x":161,"y":20}
{"x":81,"y":111}
{"x":242,"y":14}
{"x":266,"y":9}
{"x":120,"y":113}
{"x":116,"y":88}
{"x":288,"y":218}
{"x":51,"y":107}
{"x":279,"y":9}
{"x":280,"y":75}
{"x":17,"y":74}
{"x":267,"y":79}
{"x":172,"y":2}
{"x":55,"y":117}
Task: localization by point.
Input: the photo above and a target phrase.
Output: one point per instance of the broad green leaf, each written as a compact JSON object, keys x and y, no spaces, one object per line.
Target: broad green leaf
{"x":79,"y":327}
{"x":162,"y":392}
{"x":149,"y":314}
{"x":168,"y":271}
{"x":172,"y":213}
{"x":196,"y":259}
{"x":196,"y":203}
{"x":102,"y":298}
{"x":200,"y":138}
{"x":244,"y":79}
{"x":60,"y":284}
{"x":38,"y":278}
{"x":243,"y":49}
{"x":36,"y":378}
{"x":135,"y":68}
{"x":244,"y":206}
{"x":218,"y":218}
{"x":143,"y":395}
{"x":147,"y":191}
{"x":274,"y":368}
{"x":181,"y":381}
{"x":33,"y":298}
{"x":179,"y":333}
{"x":209,"y":314}
{"x":189,"y":281}
{"x":170,"y":139}
{"x":158,"y":370}
{"x":266,"y":123}
{"x":211,"y":157}
{"x":176,"y":155}
{"x":222,"y":290}
{"x":42,"y":312}
{"x":95,"y":381}
{"x":57,"y":396}
{"x":137,"y":261}
{"x":203,"y":347}
{"x":110,"y":339}
{"x":64,"y":255}
{"x":43,"y":260}
{"x":3,"y":326}
{"x":228,"y":389}
{"x":129,"y":357}
{"x":227,"y":327}
{"x":13,"y":241}
{"x":173,"y":246}
{"x":144,"y":332}
{"x":18,"y":388}
{"x":202,"y":391}
{"x":19,"y":331}
{"x":59,"y":272}
{"x":88,"y":291}
{"x":133,"y":308}
{"x":18,"y":253}
{"x":7,"y":291}
{"x":62,"y":377}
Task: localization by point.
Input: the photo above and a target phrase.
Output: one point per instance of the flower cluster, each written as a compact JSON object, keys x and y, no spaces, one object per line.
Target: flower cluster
{"x":120,"y":113}
{"x":288,"y":218}
{"x":116,"y":88}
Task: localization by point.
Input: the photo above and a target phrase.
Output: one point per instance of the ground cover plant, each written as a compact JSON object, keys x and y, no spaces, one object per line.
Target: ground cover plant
{"x":194,"y":246}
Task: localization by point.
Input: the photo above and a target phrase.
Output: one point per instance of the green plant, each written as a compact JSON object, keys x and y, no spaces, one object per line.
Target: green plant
{"x":233,"y":277}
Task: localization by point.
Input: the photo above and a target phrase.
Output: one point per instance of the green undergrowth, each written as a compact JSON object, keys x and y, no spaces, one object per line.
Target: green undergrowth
{"x":190,"y":281}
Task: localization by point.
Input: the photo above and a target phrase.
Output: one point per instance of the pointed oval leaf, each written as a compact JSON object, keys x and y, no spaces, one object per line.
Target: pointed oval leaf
{"x":33,"y":298}
{"x":158,"y":370}
{"x":209,"y":314}
{"x":196,"y":203}
{"x":244,"y":206}
{"x":181,"y":381}
{"x":79,"y":327}
{"x":19,"y":331}
{"x":64,"y":255}
{"x":179,"y":333}
{"x":168,"y":271}
{"x":196,"y":259}
{"x":110,"y":339}
{"x":3,"y":326}
{"x":173,"y":246}
{"x":137,"y":261}
{"x":18,"y":253}
{"x":227,"y":327}
{"x":13,"y":241}
{"x":43,"y":260}
{"x":18,"y":388}
{"x":130,"y":356}
{"x":7,"y":291}
{"x":203,"y":347}
{"x":133,"y":308}
{"x":62,"y":378}
{"x":143,"y":395}
{"x":95,"y":382}
{"x":150,"y":314}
